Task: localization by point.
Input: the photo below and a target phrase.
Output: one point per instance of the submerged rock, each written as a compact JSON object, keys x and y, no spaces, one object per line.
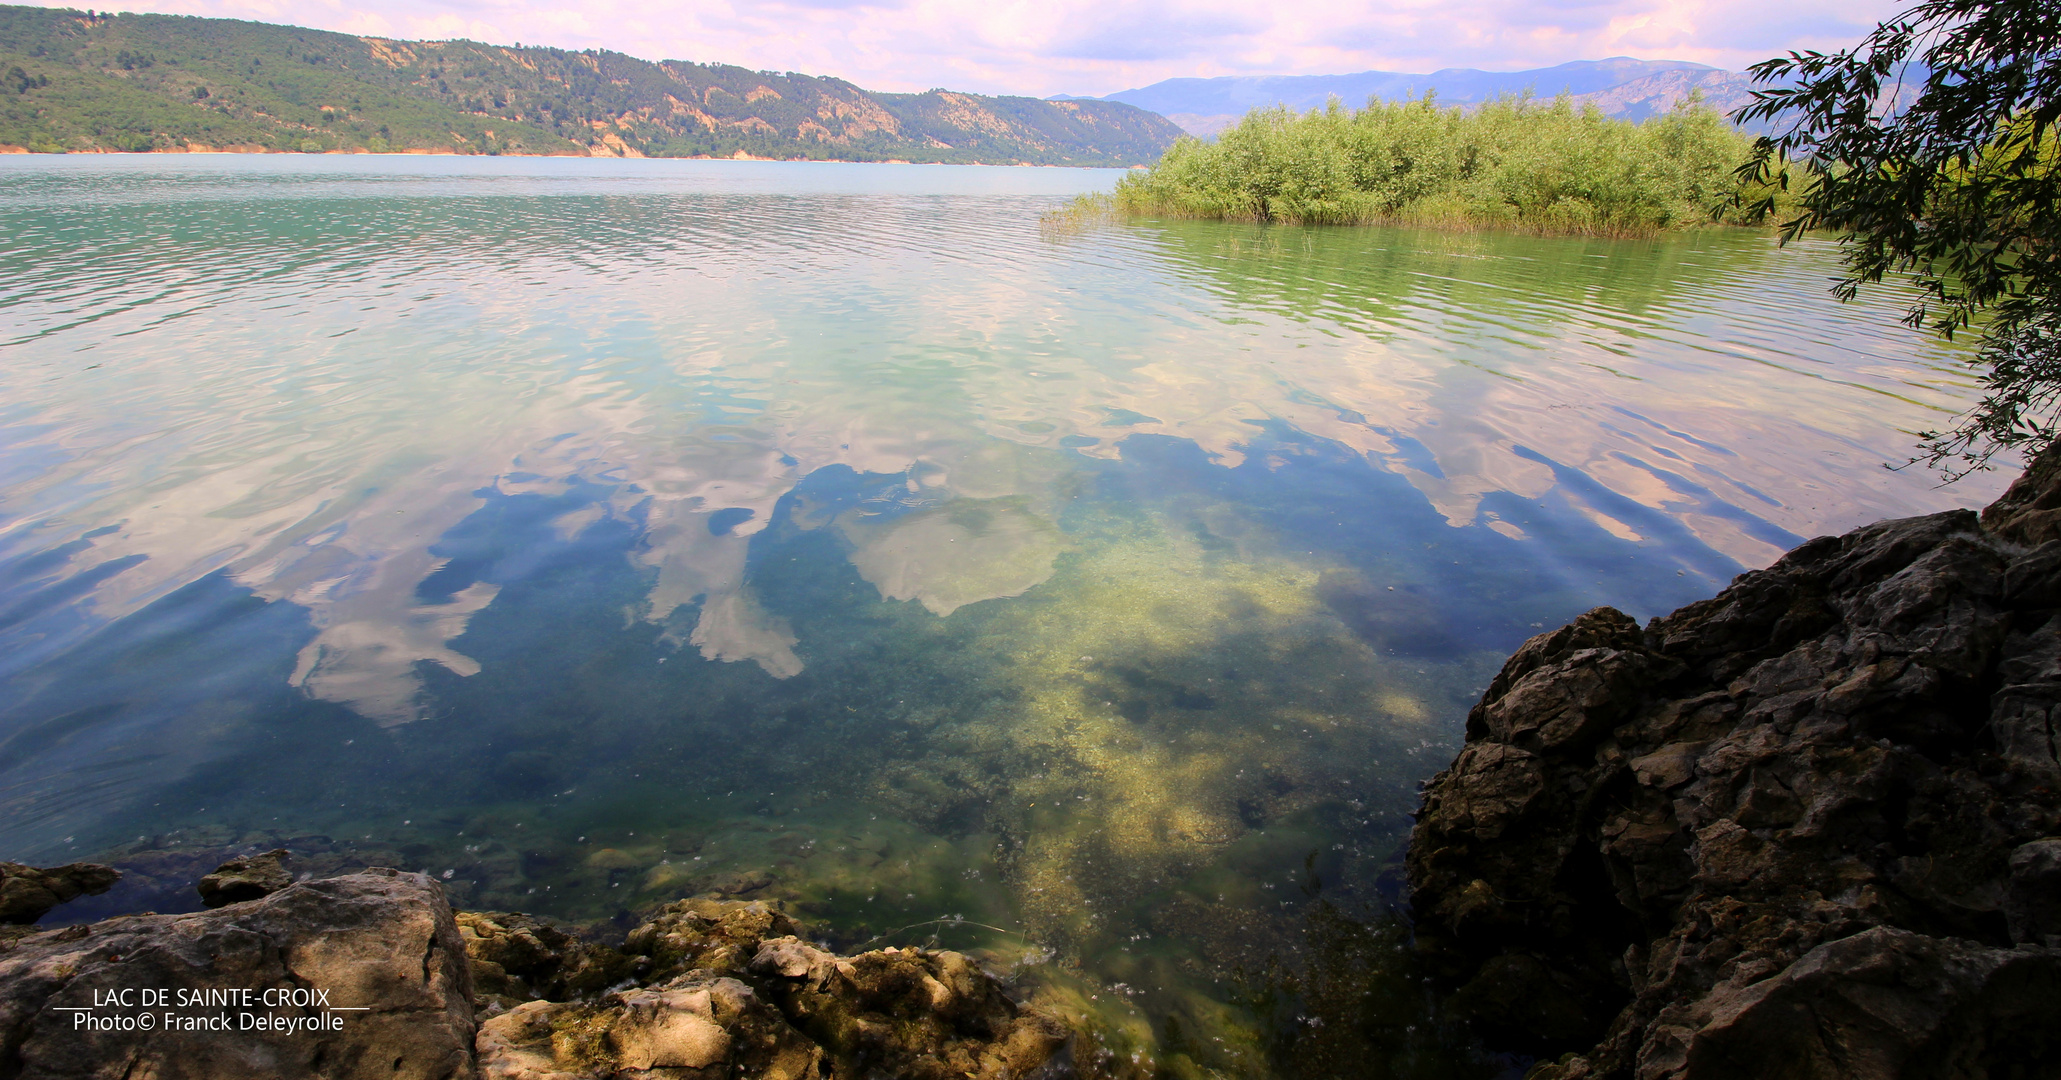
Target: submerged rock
{"x":27,"y":893}
{"x":250,"y":877}
{"x":368,"y":970}
{"x":1809,"y":827}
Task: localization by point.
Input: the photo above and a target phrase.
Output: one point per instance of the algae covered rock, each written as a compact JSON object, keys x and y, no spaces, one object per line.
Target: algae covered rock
{"x":692,"y":1026}
{"x":371,"y":975}
{"x":358,"y":976}
{"x":1809,"y":827}
{"x":732,"y":989}
{"x":249,"y":877}
{"x":702,"y":933}
{"x":927,"y":1015}
{"x":27,"y":893}
{"x":517,"y":958}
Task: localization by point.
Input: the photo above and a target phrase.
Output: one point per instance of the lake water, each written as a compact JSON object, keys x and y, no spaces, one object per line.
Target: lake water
{"x":594,"y":533}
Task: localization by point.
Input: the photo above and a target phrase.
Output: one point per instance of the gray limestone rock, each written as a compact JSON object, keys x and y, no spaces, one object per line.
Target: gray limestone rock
{"x":1805,"y":828}
{"x":1881,"y":1003}
{"x":358,"y":976}
{"x":2032,"y":902}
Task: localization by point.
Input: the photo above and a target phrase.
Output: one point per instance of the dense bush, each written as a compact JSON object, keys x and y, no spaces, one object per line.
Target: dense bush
{"x":1514,"y":163}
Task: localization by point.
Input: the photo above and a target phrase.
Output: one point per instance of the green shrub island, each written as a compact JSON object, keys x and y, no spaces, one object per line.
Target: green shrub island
{"x":1516,"y":162}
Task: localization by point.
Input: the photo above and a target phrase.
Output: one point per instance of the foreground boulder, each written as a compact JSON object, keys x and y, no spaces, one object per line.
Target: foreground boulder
{"x":1810,"y":827}
{"x":730,"y":989}
{"x":27,"y":893}
{"x":357,"y":976}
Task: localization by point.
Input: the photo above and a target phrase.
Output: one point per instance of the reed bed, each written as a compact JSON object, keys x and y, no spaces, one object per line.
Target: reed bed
{"x":1516,"y":163}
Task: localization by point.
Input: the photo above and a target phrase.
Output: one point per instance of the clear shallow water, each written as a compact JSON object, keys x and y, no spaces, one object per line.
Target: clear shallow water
{"x":603,"y":532}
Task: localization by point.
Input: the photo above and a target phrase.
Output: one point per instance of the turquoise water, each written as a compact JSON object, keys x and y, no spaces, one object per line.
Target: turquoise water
{"x":592,"y":533}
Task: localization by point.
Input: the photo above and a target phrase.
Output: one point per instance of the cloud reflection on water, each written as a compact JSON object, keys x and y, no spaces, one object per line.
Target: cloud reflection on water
{"x":311,"y":401}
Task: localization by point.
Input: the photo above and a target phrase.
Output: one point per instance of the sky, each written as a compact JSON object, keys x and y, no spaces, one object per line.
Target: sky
{"x":1095,"y":47}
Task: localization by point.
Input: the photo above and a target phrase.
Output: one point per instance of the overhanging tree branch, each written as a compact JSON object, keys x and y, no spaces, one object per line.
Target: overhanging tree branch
{"x":1934,"y":148}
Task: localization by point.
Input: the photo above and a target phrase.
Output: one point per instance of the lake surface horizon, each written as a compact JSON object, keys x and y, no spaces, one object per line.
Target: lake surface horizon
{"x":593,"y":533}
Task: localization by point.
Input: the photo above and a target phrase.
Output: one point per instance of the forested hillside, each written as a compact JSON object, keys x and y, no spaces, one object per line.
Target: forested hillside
{"x":73,"y":81}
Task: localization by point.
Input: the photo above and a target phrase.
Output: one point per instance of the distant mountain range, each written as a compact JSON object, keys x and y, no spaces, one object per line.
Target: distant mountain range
{"x":1620,"y":86}
{"x":74,"y":81}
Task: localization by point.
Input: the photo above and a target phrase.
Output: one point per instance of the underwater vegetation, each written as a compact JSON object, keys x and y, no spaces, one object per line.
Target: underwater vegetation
{"x":1133,"y":783}
{"x":592,"y":536}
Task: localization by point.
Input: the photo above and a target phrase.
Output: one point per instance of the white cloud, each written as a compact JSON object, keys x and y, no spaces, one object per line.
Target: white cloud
{"x":1098,"y":47}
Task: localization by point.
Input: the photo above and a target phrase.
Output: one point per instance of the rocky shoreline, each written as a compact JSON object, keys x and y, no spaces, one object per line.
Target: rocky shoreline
{"x":1810,"y":827}
{"x":373,"y":974}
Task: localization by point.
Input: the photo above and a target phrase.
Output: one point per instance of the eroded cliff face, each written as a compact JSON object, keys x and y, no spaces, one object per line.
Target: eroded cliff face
{"x":1810,"y":827}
